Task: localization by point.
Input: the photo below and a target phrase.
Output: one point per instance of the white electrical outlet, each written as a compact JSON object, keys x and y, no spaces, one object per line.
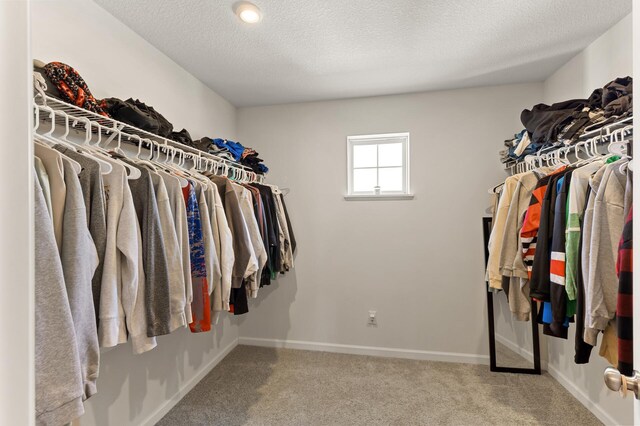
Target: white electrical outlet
{"x":372,"y":318}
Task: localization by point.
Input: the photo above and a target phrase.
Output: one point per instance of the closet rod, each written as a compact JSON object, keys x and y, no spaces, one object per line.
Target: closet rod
{"x":70,"y":121}
{"x":601,"y":135}
{"x":620,"y":135}
{"x":111,"y":127}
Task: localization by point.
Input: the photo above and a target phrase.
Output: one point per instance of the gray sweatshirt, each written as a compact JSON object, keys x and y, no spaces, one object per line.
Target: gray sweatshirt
{"x":157,"y":294}
{"x":173,"y":253}
{"x":95,"y":205}
{"x":608,"y":221}
{"x":79,"y":262}
{"x":59,"y":387}
{"x":212,"y":263}
{"x":241,"y":239}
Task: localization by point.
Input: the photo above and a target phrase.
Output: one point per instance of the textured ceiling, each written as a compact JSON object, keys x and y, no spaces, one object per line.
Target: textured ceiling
{"x":309,"y":50}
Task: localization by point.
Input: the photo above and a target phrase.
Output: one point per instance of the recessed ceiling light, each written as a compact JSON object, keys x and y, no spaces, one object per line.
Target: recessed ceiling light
{"x":248,"y":12}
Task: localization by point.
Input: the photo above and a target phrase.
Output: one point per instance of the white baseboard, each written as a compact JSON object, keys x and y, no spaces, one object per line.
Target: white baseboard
{"x":566,"y":383}
{"x":187,"y":386}
{"x":579,"y":394}
{"x":367,"y":350}
{"x":523,"y":352}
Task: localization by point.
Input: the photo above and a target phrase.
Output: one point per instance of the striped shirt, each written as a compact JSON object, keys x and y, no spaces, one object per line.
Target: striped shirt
{"x":624,"y":307}
{"x":531,"y":224}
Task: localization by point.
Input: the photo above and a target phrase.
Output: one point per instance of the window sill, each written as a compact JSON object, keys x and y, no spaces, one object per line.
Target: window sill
{"x":381,"y":197}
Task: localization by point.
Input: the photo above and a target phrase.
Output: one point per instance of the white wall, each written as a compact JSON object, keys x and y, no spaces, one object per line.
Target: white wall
{"x":418,"y":263}
{"x":17,"y":401}
{"x":608,"y":57}
{"x":116,"y":62}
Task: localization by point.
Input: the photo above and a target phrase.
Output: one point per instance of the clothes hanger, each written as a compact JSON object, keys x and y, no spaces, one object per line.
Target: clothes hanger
{"x":49,"y":140}
{"x":144,"y":161}
{"x":48,"y":136}
{"x":86,"y":148}
{"x":616,"y":146}
{"x":133,"y":172}
{"x":172,"y":168}
{"x":37,"y":137}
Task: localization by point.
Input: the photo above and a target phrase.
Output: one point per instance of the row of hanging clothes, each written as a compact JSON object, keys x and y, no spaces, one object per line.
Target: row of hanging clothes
{"x":132,"y":244}
{"x":562,"y":236}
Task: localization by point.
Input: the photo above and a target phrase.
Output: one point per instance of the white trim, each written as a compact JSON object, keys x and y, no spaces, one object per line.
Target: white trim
{"x":579,"y":394}
{"x":367,"y":350}
{"x":370,"y":197}
{"x":17,"y":264}
{"x":380,"y":136}
{"x":187,"y":386}
{"x":377,"y":140}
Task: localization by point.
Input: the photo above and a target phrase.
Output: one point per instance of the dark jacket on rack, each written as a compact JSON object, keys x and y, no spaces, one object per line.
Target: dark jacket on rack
{"x":624,"y":308}
{"x":292,"y":238}
{"x":557,"y":270}
{"x":138,"y":114}
{"x":542,"y":259}
{"x":545,"y":121}
{"x":273,"y":251}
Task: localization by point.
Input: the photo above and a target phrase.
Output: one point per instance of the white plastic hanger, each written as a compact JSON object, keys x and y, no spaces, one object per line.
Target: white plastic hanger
{"x":148,"y":162}
{"x":50,"y":140}
{"x":86,"y":148}
{"x":133,"y":173}
{"x":174,"y":168}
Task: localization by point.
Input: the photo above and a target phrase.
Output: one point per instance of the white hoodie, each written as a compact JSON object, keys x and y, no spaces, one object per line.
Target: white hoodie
{"x":123,"y":277}
{"x":179,"y":213}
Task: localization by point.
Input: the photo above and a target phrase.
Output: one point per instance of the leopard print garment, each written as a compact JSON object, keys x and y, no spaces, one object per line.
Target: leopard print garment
{"x":72,"y":87}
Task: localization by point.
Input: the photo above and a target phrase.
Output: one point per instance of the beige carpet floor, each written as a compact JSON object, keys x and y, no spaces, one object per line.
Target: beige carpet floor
{"x":263,"y":386}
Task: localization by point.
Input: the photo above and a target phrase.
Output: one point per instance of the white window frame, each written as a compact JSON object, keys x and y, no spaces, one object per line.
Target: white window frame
{"x":377,"y":140}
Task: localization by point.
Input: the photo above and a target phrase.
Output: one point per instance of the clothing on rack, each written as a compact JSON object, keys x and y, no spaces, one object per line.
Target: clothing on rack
{"x":95,"y":206}
{"x":71,"y":87}
{"x":624,"y":306}
{"x":138,"y":114}
{"x":567,"y":250}
{"x":125,"y":257}
{"x":58,"y":376}
{"x":564,"y":123}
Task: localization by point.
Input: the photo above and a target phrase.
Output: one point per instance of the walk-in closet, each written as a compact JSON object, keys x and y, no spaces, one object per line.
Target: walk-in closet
{"x":263,"y":212}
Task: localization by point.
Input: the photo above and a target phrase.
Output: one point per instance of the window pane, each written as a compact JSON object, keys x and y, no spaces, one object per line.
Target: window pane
{"x":390,"y":154}
{"x":364,"y":180}
{"x":391,"y":179}
{"x":364,"y":156}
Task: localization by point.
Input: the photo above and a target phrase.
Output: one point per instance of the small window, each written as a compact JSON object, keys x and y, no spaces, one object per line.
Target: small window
{"x":378,"y":165}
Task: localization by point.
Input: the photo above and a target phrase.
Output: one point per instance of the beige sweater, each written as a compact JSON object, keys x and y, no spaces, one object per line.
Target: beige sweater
{"x":52,"y":161}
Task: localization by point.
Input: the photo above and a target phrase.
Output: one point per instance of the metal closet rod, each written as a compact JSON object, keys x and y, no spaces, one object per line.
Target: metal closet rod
{"x":112,"y":128}
{"x":69,"y":120}
{"x":612,"y":133}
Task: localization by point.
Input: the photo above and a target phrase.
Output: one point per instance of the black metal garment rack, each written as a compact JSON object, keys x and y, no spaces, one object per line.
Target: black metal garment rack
{"x":486,"y":229}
